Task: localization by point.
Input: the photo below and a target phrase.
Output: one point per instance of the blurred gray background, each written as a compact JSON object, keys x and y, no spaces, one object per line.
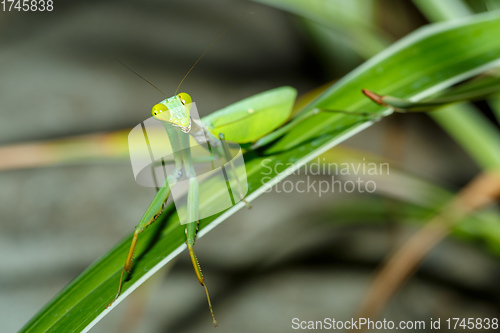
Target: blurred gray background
{"x":290,"y":256}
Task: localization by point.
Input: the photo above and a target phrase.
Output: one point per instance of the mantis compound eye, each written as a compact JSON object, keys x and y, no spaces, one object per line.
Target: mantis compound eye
{"x":158,"y":108}
{"x":185,"y":98}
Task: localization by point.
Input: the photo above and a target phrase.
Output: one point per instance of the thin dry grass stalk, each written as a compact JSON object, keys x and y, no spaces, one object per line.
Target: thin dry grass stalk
{"x":479,"y":193}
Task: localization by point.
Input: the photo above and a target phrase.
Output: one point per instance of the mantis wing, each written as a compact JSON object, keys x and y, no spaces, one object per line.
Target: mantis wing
{"x":252,"y":118}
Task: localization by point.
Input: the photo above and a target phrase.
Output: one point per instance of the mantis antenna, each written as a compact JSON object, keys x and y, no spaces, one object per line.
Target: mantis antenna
{"x":197,"y":61}
{"x":208,"y":48}
{"x":139,"y":75}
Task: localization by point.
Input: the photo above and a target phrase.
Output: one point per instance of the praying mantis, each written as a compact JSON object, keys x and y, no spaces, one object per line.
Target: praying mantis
{"x":257,"y":120}
{"x":243,"y":122}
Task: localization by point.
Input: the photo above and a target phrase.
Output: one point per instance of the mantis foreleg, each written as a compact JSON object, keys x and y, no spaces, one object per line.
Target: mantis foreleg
{"x":154,"y":210}
{"x":192,"y":213}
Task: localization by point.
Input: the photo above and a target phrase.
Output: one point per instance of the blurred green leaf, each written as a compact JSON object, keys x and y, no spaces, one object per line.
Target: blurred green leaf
{"x":353,"y":19}
{"x":463,"y":121}
{"x":425,"y":62}
{"x":443,"y":10}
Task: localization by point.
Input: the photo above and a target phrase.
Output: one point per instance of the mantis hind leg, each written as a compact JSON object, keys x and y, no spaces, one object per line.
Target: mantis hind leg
{"x":128,"y":263}
{"x":199,"y":275}
{"x":130,"y":256}
{"x":144,"y":224}
{"x":193,"y":221}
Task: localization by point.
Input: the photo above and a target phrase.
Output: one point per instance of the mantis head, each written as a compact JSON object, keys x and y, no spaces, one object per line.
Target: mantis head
{"x":175,"y":111}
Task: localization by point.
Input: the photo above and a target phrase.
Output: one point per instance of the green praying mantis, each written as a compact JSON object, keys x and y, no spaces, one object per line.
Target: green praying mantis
{"x":256,"y":121}
{"x":243,"y":122}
